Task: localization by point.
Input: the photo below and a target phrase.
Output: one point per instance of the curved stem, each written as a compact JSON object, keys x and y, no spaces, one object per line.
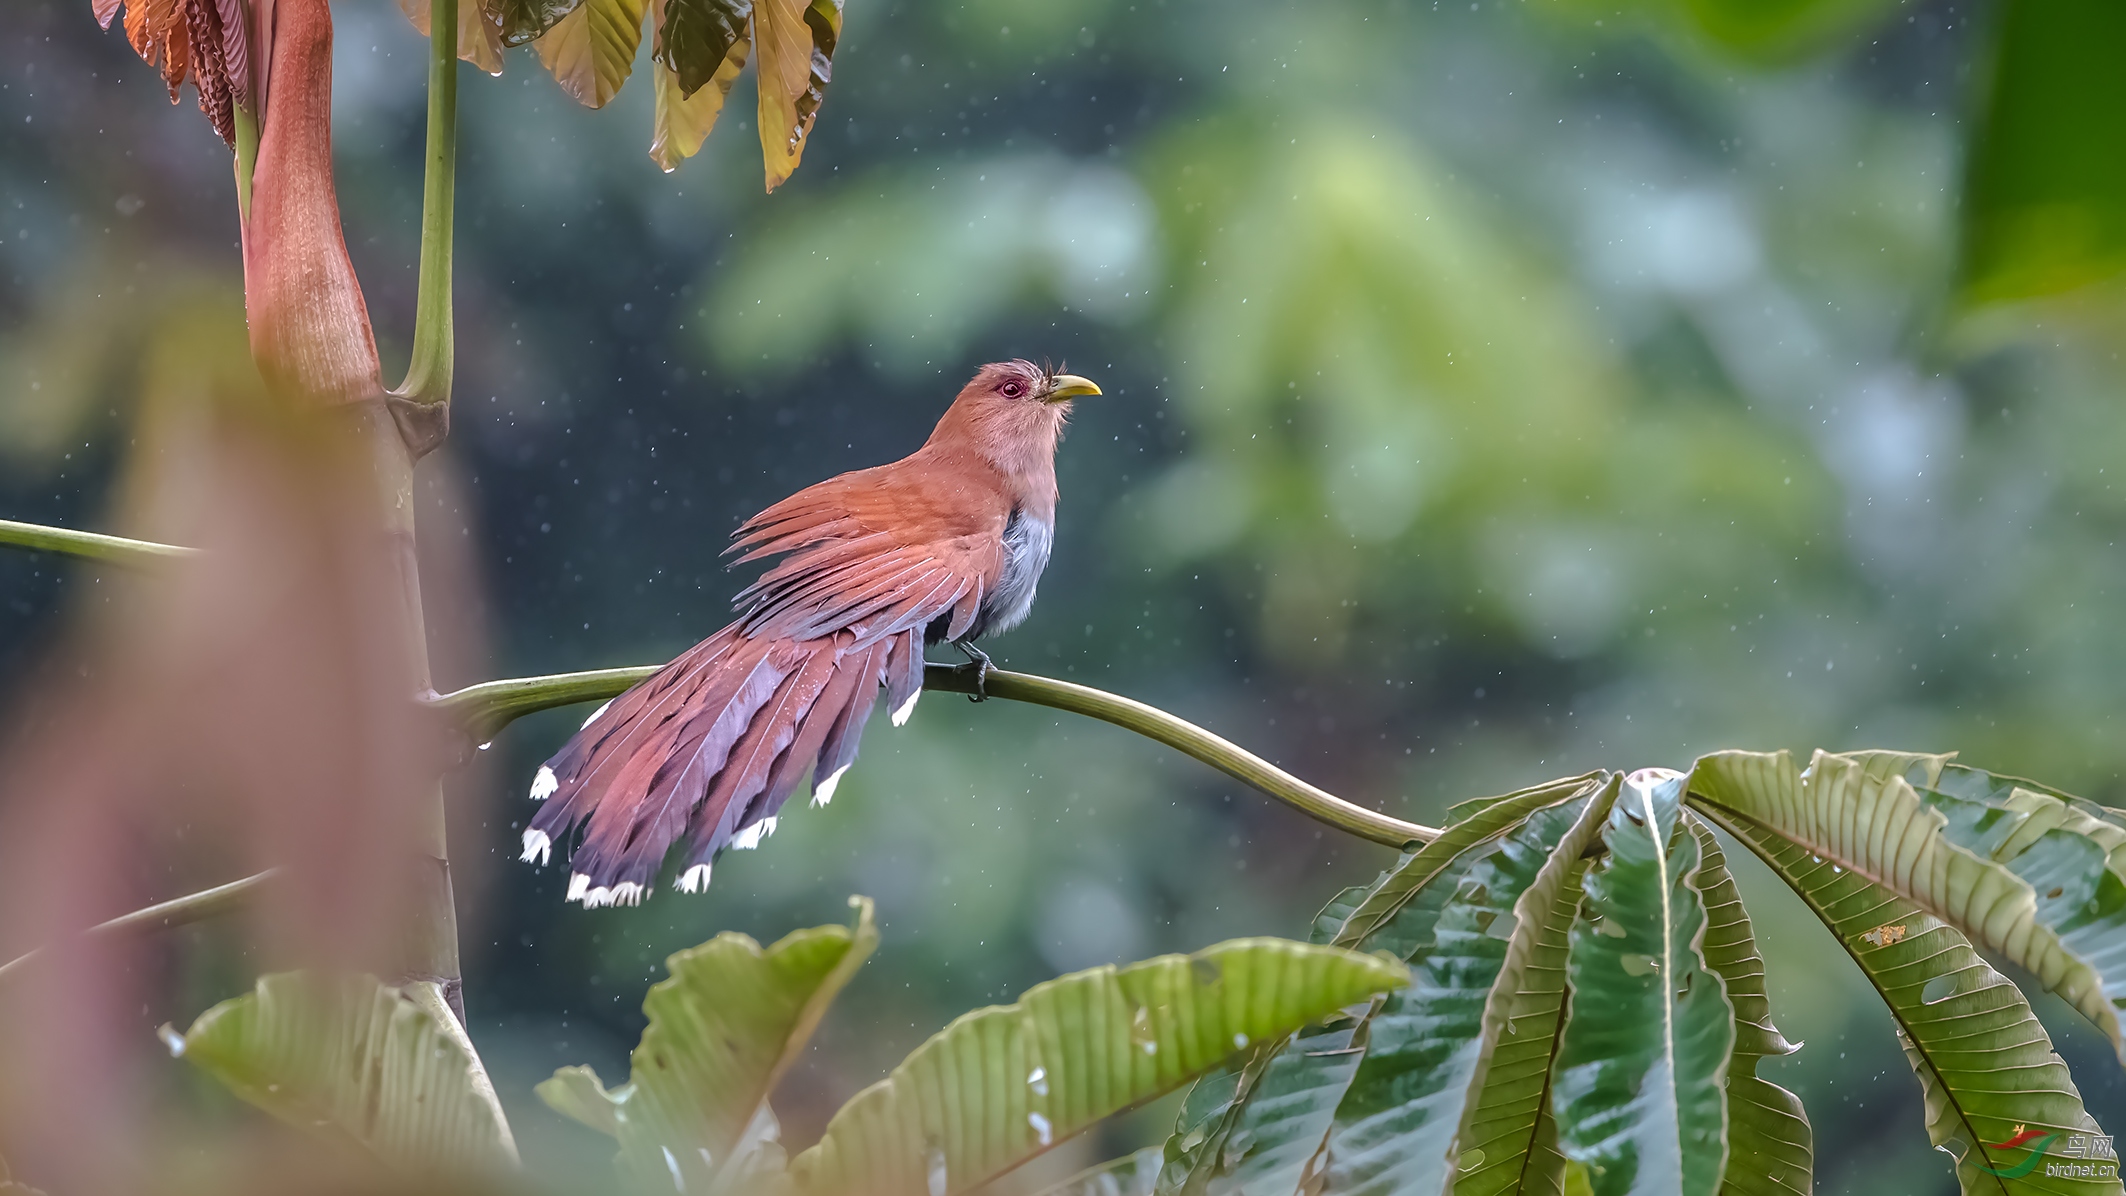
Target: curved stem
{"x":428,"y":373}
{"x":178,"y":911}
{"x":485,"y":709}
{"x":139,"y":554}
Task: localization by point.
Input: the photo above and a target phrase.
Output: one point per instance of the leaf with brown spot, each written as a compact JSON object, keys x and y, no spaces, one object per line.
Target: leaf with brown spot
{"x":683,"y":120}
{"x":797,"y":41}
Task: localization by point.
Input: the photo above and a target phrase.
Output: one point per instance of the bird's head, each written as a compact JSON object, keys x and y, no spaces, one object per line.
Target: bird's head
{"x":1014,"y":412}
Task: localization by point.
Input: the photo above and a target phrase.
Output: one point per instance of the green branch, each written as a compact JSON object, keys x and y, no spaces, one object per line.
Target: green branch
{"x":485,"y":709}
{"x":116,"y":550}
{"x":178,"y":911}
{"x":428,"y":372}
{"x":482,"y":710}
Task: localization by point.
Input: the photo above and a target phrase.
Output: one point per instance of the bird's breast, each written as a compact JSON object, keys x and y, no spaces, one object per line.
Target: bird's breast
{"x":1027,"y":540}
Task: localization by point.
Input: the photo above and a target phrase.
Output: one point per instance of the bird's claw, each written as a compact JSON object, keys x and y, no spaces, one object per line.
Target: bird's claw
{"x":978,"y":662}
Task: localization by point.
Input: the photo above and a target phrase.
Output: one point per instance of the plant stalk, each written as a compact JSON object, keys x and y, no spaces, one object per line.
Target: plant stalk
{"x":178,"y":911}
{"x":95,"y":546}
{"x":428,"y":373}
{"x":483,"y":710}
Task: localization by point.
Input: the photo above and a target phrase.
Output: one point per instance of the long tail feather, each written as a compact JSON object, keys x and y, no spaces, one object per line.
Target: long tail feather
{"x":708,"y":750}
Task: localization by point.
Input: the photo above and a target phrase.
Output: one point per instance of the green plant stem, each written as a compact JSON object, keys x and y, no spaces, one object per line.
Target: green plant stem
{"x":246,"y":160}
{"x":138,"y":554}
{"x":428,"y":373}
{"x":178,"y":911}
{"x":485,"y":709}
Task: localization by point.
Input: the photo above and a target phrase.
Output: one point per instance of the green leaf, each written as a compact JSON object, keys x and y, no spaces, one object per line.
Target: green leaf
{"x":1265,"y":1133}
{"x":1985,"y":1064}
{"x":1401,"y":1125}
{"x":797,"y":40}
{"x":591,"y":51}
{"x":1641,"y":1072}
{"x":1777,"y":29}
{"x":684,"y":116}
{"x":2048,"y":903}
{"x":1001,"y":1085}
{"x":1770,"y":1147}
{"x":1382,"y":907}
{"x":723,"y":1028}
{"x":2044,"y":202}
{"x":1396,"y":913}
{"x":1338,"y":911}
{"x":354,"y":1058}
{"x":1130,"y":1175}
{"x":1509,"y":1123}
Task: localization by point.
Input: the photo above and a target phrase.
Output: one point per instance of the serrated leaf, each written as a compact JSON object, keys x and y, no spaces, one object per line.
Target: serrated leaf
{"x":1265,"y":1133}
{"x":684,"y":118}
{"x":723,"y":1028}
{"x":1639,"y":1094}
{"x":1985,"y":1065}
{"x":1397,"y":913}
{"x":591,"y":51}
{"x":797,"y":40}
{"x":1770,"y":1146}
{"x":1400,"y":1127}
{"x":1860,"y":812}
{"x":1510,"y":1141}
{"x":1417,"y":870}
{"x":355,"y":1058}
{"x":1130,"y":1175}
{"x":1001,"y":1085}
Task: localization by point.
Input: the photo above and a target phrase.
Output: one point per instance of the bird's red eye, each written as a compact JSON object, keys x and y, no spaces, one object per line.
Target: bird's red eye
{"x":1012,"y":390}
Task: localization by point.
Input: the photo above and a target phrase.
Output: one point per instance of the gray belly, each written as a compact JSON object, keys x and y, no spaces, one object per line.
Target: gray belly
{"x":1026,"y":544}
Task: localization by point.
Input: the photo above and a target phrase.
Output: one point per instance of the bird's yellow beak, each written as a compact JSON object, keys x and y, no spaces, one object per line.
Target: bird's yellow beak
{"x":1069,"y":386}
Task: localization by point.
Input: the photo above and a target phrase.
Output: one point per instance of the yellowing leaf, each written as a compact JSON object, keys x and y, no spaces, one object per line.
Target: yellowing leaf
{"x":683,"y":120}
{"x":797,"y":42}
{"x":479,"y":31}
{"x":591,"y":51}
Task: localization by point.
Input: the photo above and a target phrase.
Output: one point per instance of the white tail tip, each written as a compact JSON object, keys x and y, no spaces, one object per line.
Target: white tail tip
{"x":538,"y":848}
{"x":595,"y":713}
{"x":627,"y":892}
{"x":544,"y":784}
{"x":694,"y":879}
{"x":900,"y":717}
{"x":824,"y":791}
{"x":749,"y":838}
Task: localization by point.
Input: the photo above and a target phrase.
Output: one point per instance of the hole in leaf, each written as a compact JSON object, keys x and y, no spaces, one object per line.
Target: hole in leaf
{"x":1640,"y":965}
{"x":1471,"y":1161}
{"x":1940,"y":988}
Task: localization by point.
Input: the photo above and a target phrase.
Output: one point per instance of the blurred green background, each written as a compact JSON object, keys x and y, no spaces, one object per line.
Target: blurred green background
{"x":1498,"y":390}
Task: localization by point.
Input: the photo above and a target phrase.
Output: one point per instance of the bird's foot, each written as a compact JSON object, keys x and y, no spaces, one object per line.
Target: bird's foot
{"x":978,"y":663}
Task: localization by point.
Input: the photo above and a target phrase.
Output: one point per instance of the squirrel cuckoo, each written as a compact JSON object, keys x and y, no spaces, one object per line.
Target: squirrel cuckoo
{"x":945,"y":544}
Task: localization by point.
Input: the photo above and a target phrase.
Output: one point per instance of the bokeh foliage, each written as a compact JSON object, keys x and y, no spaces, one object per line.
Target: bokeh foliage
{"x":1794,"y":502}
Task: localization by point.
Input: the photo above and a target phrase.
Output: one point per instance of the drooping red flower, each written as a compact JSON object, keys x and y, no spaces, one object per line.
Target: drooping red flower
{"x":204,"y":42}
